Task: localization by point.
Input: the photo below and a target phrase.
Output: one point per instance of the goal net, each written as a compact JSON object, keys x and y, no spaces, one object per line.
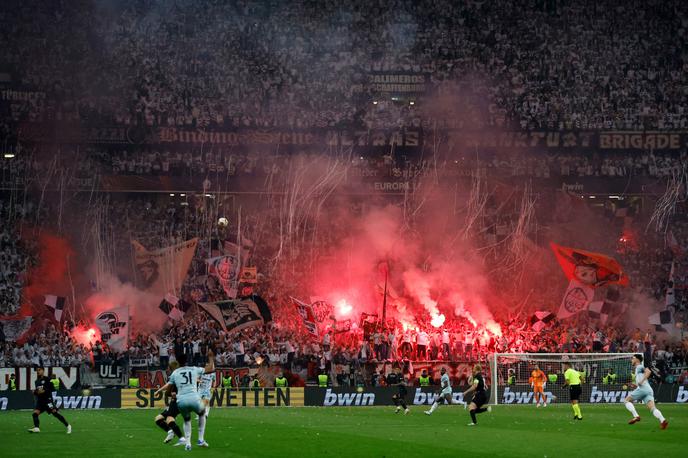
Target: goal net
{"x":606,"y":376}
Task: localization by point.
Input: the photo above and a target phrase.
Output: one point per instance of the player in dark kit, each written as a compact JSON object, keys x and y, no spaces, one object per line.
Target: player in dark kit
{"x":396,"y":378}
{"x":165,"y":420}
{"x":479,"y":396}
{"x":44,"y":402}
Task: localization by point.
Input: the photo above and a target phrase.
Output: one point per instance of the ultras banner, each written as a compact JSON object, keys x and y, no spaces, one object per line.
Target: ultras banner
{"x":64,"y":399}
{"x":26,"y":376}
{"x":220,"y":397}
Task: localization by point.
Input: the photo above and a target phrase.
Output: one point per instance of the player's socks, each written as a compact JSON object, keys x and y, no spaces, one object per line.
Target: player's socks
{"x":187,"y":431}
{"x":577,"y":410}
{"x":35,"y":420}
{"x":475,"y":421}
{"x":658,"y":415}
{"x":403,"y":405}
{"x":175,"y":427}
{"x":433,"y":407}
{"x":201,"y":428}
{"x":61,"y":418}
{"x":481,"y":410}
{"x":631,"y":408}
{"x":162,"y":424}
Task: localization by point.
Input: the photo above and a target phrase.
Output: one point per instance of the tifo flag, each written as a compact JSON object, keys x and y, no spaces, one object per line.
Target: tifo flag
{"x":114,"y":327}
{"x":576,"y":299}
{"x":173,"y":307}
{"x":56,"y":304}
{"x":307,"y":315}
{"x":541,"y":320}
{"x":588,"y":268}
{"x":236,"y":315}
{"x":163,"y":271}
{"x":249,"y":275}
{"x":226,"y":269}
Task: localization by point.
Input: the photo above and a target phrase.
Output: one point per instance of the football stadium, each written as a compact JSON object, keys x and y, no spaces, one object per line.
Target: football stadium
{"x":361,"y":228}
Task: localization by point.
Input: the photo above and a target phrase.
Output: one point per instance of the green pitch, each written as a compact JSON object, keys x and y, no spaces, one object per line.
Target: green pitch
{"x":508,"y":431}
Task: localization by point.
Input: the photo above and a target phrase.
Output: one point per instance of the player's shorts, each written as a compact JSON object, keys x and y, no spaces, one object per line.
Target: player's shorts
{"x":538,"y":389}
{"x":575,"y":392}
{"x":205,"y":396}
{"x":446,"y":391}
{"x":642,"y":394}
{"x":479,"y":399}
{"x":189,"y":404}
{"x":45,"y":405}
{"x":172,"y":410}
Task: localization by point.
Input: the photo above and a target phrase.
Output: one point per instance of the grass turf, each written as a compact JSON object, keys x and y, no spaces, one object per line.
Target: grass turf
{"x":509,"y":431}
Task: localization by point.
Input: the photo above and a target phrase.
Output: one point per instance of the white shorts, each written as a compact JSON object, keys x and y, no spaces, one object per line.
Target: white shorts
{"x":189,"y":404}
{"x":642,"y":394}
{"x":446,"y":391}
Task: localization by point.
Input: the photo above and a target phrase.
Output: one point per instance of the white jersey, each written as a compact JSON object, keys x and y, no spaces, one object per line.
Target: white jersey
{"x":205,"y":384}
{"x":639,"y":375}
{"x":445,"y":384}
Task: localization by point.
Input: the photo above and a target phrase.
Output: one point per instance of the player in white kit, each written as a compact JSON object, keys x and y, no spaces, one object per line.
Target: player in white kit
{"x":185,"y":378}
{"x":205,"y":386}
{"x":643,"y":393}
{"x":445,"y":394}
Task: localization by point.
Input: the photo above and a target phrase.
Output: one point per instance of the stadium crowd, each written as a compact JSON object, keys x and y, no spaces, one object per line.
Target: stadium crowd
{"x":523,"y":64}
{"x":535,"y":64}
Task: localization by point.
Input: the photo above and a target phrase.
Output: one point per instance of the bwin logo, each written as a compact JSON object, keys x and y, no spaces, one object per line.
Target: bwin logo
{"x":607,"y":396}
{"x":78,"y":402}
{"x":348,"y":399}
{"x":522,"y":397}
{"x":421,"y":398}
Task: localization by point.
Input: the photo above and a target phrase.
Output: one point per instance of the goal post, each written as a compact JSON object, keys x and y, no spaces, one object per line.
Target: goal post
{"x":606,"y":376}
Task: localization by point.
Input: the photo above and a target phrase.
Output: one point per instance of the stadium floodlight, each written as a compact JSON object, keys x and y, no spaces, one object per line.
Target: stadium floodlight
{"x":606,"y":376}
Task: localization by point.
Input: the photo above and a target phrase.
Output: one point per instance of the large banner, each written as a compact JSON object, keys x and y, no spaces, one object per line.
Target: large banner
{"x":220,"y":397}
{"x":163,"y":271}
{"x":114,"y":327}
{"x":369,"y":396}
{"x":64,"y":399}
{"x":237,"y":314}
{"x":26,"y":376}
{"x":593,"y":394}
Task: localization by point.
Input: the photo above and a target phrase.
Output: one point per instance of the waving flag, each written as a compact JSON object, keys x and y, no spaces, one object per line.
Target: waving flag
{"x":56,"y":305}
{"x":307,"y":315}
{"x":576,"y":299}
{"x":541,"y":320}
{"x":588,"y":268}
{"x":237,"y":314}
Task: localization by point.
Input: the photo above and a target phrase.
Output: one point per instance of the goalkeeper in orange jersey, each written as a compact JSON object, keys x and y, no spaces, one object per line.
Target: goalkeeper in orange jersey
{"x":538,"y":380}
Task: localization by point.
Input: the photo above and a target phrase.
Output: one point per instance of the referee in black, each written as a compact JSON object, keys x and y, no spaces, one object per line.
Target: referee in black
{"x":396,"y":378}
{"x":44,"y":402}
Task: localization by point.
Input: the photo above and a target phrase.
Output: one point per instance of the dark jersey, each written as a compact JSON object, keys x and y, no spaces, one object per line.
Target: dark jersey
{"x":397,"y":380}
{"x":393,"y":379}
{"x":480,"y":388}
{"x":48,"y":388}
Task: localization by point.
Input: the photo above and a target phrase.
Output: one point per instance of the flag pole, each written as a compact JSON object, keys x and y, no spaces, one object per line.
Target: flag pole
{"x":384,"y":299}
